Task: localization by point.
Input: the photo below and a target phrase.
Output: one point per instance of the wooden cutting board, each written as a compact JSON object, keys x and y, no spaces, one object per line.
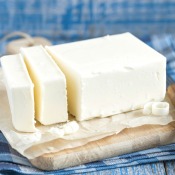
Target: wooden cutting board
{"x":127,"y":141}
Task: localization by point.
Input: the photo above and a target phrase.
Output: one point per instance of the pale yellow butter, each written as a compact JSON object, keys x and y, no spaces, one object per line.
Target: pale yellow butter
{"x":20,"y":92}
{"x":49,"y":86}
{"x":110,"y":75}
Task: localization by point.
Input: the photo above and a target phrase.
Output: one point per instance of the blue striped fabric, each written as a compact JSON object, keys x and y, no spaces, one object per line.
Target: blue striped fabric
{"x":13,"y":162}
{"x":68,"y":20}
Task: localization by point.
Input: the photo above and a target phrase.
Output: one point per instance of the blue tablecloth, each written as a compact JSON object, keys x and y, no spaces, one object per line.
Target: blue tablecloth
{"x":67,"y":20}
{"x":12,"y":161}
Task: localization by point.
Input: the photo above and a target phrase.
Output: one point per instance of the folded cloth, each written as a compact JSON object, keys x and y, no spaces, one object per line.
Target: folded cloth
{"x":12,"y":161}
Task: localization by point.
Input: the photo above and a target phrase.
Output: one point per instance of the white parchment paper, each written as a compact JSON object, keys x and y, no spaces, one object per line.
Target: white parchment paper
{"x":32,"y":145}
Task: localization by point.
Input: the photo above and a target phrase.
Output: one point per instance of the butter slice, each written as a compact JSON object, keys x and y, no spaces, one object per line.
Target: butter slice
{"x":20,"y":92}
{"x":49,"y":86}
{"x":110,"y":75}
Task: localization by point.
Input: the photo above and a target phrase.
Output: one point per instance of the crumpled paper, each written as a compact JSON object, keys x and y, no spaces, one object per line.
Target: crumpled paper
{"x":32,"y":145}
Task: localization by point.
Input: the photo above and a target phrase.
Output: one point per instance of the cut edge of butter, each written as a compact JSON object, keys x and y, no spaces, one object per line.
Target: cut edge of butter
{"x":50,"y":91}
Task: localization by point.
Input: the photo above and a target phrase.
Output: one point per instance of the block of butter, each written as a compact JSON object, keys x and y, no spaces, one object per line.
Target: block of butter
{"x":20,"y":92}
{"x":110,"y":75}
{"x":50,"y":92}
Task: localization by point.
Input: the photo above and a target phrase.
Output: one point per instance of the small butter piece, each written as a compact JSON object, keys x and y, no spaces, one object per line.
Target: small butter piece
{"x":71,"y":127}
{"x":49,"y":86}
{"x":160,"y":108}
{"x":110,"y":75}
{"x":65,"y":129}
{"x":57,"y":131}
{"x":20,"y":92}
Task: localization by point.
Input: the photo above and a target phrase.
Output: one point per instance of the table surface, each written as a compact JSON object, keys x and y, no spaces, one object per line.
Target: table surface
{"x":160,"y":168}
